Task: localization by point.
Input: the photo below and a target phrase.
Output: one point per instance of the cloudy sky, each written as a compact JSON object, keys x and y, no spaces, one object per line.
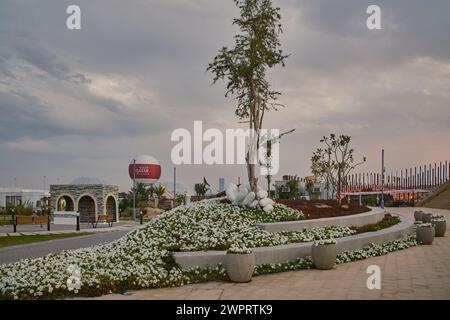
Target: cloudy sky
{"x":83,"y":103}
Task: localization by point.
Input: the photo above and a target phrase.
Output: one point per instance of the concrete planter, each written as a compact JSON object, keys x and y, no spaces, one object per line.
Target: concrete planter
{"x":240,"y":267}
{"x":425,"y":235}
{"x":426,"y":217}
{"x":324,"y":256}
{"x":440,"y":228}
{"x":418,"y":215}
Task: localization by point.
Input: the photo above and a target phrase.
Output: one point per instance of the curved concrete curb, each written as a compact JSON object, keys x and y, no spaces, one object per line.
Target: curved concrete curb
{"x":291,"y":252}
{"x":357,"y":220}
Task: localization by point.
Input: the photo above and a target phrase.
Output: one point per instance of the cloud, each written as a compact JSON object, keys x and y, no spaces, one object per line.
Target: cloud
{"x":93,"y":98}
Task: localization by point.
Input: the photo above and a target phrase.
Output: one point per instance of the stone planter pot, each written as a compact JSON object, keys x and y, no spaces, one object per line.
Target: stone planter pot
{"x":425,"y":235}
{"x":418,"y":215}
{"x":426,"y":217}
{"x":324,"y":256}
{"x":240,"y":267}
{"x":440,"y":228}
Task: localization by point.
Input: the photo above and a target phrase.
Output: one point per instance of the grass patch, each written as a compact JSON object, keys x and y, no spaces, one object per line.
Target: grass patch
{"x":17,"y":240}
{"x":388,"y":221}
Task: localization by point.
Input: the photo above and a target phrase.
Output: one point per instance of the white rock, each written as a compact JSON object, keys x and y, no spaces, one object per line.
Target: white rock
{"x":268,"y":208}
{"x":232,"y":187}
{"x":265,"y":202}
{"x":231,"y":192}
{"x":262,"y":194}
{"x":243,"y":192}
{"x":254,"y":204}
{"x":249,"y":199}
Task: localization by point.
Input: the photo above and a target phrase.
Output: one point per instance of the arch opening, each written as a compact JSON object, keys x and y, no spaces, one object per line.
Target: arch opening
{"x":86,"y":207}
{"x":65,"y":203}
{"x":111,"y":208}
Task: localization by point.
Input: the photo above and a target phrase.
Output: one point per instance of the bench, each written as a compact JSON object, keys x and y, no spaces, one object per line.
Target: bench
{"x":109,"y":219}
{"x":31,"y":220}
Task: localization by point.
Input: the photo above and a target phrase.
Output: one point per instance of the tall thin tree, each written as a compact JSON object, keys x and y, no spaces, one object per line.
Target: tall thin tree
{"x":256,"y":49}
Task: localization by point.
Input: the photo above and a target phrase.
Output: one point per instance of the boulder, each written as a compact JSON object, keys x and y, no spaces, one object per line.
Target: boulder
{"x":249,"y":199}
{"x":254,"y":204}
{"x":242,"y":193}
{"x":231,"y":192}
{"x":262,"y":194}
{"x":266,"y":201}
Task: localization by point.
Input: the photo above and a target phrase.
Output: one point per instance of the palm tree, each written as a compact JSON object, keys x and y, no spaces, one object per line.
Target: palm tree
{"x":201,"y":189}
{"x":160,"y":190}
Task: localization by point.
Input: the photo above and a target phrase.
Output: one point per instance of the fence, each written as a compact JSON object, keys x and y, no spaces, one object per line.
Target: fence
{"x":415,"y":179}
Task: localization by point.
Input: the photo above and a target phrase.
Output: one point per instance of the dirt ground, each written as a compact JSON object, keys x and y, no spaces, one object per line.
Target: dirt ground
{"x":315,"y":209}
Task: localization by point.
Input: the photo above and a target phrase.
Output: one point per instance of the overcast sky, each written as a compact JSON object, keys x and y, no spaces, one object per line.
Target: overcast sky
{"x":83,"y":103}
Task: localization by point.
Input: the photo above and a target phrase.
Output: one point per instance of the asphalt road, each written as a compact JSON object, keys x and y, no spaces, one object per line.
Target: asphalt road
{"x":40,"y":249}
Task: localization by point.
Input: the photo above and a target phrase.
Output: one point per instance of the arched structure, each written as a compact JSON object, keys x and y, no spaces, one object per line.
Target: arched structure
{"x":87,"y":207}
{"x":89,"y":197}
{"x":111,"y":206}
{"x":65,"y":202}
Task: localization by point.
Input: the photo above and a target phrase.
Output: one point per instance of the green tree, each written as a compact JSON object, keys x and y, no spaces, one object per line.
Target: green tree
{"x":143,"y":192}
{"x":201,"y":189}
{"x":160,"y":190}
{"x":257,"y":48}
{"x":332,"y":163}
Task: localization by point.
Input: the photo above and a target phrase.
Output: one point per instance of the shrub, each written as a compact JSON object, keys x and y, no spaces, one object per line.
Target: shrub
{"x":388,"y":221}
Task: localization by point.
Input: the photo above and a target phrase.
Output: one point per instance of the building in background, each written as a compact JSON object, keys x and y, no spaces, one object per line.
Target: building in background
{"x":282,"y":186}
{"x":307,"y":187}
{"x":17,"y":196}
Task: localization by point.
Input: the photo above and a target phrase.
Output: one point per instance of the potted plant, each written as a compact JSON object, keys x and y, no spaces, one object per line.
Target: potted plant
{"x":440,"y":225}
{"x":425,"y":233}
{"x":240,"y":264}
{"x":324,"y":254}
{"x":418,"y":215}
{"x":426,"y":217}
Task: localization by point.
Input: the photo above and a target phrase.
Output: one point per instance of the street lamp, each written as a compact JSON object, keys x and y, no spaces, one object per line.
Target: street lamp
{"x":382,"y":179}
{"x":134,"y":190}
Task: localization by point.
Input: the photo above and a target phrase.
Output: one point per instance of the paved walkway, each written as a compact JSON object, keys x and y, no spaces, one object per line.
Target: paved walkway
{"x":40,"y":249}
{"x":7,"y":230}
{"x":417,"y":273}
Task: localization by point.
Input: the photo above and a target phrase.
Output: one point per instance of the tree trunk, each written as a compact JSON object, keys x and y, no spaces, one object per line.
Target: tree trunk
{"x":251,"y":171}
{"x":252,"y":154}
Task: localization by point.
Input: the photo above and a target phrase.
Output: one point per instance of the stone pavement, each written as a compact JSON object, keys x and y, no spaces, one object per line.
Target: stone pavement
{"x":40,"y":249}
{"x":416,"y":273}
{"x":6,"y":230}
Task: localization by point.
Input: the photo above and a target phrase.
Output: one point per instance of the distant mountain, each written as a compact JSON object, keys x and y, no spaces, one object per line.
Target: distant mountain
{"x":88,"y":180}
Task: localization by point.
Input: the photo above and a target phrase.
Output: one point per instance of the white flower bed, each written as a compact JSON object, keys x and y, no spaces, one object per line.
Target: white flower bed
{"x":437,"y":218}
{"x":143,"y":259}
{"x":424,"y":225}
{"x":237,"y":250}
{"x":374,"y":250}
{"x":324,"y":242}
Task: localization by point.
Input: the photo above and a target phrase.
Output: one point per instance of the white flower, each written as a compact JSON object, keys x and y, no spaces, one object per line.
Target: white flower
{"x":424,"y":225}
{"x":325,"y":242}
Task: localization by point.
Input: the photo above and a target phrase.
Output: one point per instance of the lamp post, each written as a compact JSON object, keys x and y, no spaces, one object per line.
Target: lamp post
{"x":174,"y":183}
{"x":134,"y":190}
{"x":382,"y":179}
